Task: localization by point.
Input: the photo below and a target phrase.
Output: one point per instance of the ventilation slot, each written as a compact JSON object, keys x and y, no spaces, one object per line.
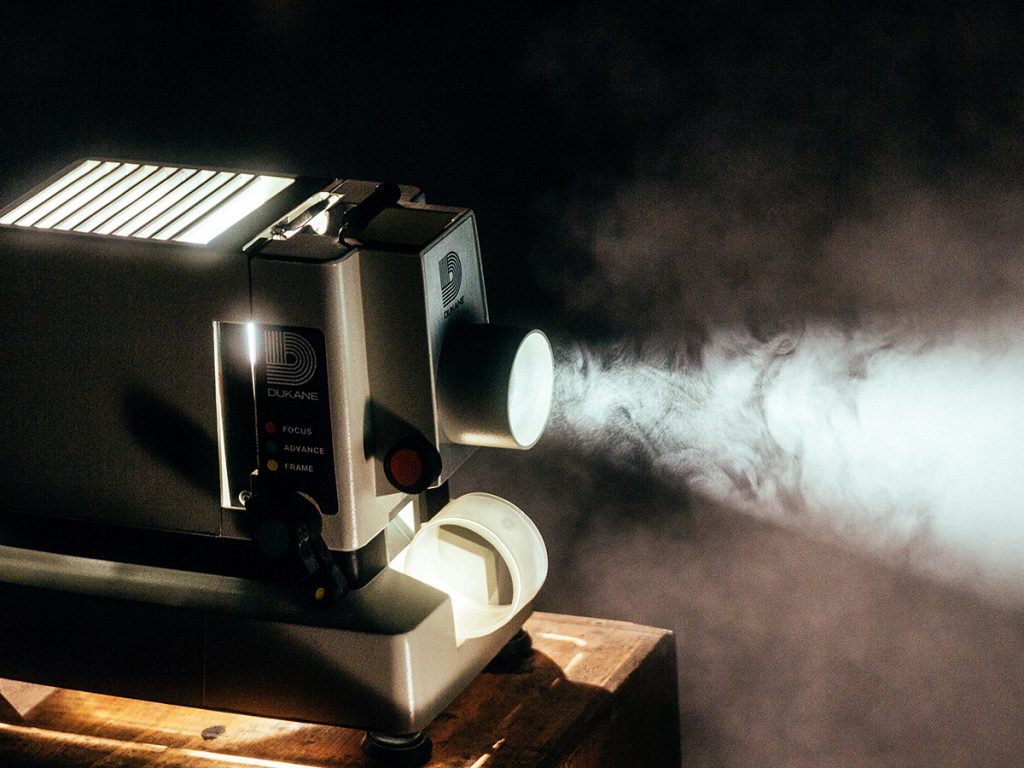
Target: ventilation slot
{"x":158,"y":202}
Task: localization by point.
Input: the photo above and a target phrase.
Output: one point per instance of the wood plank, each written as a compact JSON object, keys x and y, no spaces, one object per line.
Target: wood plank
{"x":597,"y":693}
{"x":21,"y":697}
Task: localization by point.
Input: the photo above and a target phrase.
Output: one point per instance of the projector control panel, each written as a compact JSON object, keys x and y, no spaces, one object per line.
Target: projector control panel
{"x":293,"y":416}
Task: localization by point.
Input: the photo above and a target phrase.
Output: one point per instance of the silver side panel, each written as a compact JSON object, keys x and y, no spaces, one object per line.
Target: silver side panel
{"x":406,"y":320}
{"x":108,"y":409}
{"x":327,"y":296}
{"x":384,"y":318}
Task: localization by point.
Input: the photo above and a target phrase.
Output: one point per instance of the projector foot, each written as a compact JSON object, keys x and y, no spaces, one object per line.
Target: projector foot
{"x":409,"y":750}
{"x":514,"y":657}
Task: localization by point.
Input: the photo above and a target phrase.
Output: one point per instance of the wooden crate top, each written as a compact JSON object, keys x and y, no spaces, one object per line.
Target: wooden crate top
{"x":586,"y":675}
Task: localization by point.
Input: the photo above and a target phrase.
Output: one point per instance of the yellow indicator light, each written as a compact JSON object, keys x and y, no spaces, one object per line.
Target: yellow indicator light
{"x":272,"y":465}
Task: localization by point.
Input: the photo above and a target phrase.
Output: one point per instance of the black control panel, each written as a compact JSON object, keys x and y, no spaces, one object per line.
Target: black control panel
{"x":293,"y":415}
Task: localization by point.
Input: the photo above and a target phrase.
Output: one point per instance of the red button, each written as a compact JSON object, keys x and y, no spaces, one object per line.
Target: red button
{"x":270,"y":427}
{"x":406,"y":467}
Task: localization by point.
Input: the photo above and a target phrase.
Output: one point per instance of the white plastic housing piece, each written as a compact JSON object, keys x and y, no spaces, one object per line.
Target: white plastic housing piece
{"x":495,"y":386}
{"x":486,"y":554}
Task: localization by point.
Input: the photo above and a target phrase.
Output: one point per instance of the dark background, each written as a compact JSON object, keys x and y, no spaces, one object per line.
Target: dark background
{"x":640,"y":173}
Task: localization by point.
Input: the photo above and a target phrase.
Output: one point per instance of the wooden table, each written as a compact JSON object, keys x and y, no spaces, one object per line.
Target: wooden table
{"x":597,"y":693}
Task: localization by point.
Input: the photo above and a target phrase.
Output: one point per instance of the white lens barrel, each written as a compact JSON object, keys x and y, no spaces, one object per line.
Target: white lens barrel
{"x":495,"y":386}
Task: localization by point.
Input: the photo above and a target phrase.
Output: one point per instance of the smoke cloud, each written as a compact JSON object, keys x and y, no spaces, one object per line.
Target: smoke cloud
{"x":789,"y":247}
{"x":847,"y":365}
{"x":839,"y":351}
{"x":892,"y":440}
{"x":796,"y":443}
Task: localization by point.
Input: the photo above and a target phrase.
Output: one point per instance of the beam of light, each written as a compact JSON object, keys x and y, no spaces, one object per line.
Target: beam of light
{"x":257,"y":762}
{"x":577,"y":641}
{"x":900,"y":442}
{"x":576,"y":659}
{"x":250,"y":338}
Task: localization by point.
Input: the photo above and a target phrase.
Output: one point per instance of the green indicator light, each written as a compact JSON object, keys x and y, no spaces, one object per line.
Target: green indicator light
{"x":271,"y":446}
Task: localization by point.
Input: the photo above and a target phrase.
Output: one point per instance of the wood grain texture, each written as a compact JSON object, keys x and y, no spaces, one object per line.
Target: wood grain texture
{"x":597,"y":694}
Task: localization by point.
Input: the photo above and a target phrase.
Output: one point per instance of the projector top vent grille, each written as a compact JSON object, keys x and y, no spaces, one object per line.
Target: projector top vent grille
{"x":157,"y":202}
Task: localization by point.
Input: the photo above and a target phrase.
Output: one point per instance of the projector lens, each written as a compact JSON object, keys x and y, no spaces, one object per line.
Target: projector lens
{"x":530,"y":388}
{"x":495,"y":386}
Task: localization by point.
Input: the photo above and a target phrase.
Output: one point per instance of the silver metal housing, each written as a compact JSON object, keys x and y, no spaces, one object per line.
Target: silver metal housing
{"x":131,"y":397}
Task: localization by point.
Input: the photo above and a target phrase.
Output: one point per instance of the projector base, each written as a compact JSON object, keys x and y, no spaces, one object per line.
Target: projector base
{"x":598,"y":694}
{"x":383,"y":659}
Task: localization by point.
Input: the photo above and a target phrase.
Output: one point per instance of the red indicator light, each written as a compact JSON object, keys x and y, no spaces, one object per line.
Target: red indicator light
{"x":270,"y":427}
{"x":412,"y":464}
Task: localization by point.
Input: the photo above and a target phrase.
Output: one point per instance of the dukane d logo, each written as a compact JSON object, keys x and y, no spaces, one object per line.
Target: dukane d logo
{"x":290,"y":358}
{"x":451,"y":277}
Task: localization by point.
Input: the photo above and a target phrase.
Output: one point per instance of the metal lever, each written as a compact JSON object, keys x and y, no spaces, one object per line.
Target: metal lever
{"x":356,"y":218}
{"x":288,"y":534}
{"x":303,"y":218}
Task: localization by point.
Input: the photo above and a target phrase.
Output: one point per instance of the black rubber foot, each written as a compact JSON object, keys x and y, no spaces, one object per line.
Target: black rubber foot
{"x":408,"y":750}
{"x":515,"y":657}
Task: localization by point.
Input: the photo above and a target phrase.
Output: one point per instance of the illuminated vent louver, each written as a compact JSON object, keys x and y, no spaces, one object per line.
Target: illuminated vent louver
{"x":160,"y":202}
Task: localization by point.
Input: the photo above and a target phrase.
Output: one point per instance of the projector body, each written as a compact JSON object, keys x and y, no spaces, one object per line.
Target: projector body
{"x":224,"y":426}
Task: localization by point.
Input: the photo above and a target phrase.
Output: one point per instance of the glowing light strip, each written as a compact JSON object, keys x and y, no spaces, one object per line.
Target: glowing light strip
{"x":49,"y":191}
{"x":203,"y":207}
{"x":66,"y":194}
{"x":172,"y":206}
{"x":113,"y":200}
{"x":166,"y":183}
{"x":82,"y":206}
{"x":235,"y":209}
{"x":226,"y":499}
{"x":159,"y":202}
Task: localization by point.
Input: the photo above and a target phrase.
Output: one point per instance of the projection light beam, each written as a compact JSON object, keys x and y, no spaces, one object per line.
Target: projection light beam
{"x":900,"y":442}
